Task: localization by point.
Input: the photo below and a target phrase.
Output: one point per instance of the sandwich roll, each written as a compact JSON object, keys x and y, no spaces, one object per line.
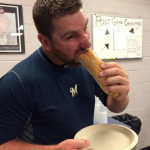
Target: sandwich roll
{"x":91,"y":61}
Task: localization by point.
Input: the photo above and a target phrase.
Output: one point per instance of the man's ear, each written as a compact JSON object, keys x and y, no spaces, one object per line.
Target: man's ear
{"x":44,"y":41}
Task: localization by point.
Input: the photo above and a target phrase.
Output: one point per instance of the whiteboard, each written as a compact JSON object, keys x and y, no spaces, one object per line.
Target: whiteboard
{"x":116,"y":37}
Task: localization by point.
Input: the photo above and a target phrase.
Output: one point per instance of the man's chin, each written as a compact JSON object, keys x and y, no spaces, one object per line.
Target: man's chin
{"x":76,"y":63}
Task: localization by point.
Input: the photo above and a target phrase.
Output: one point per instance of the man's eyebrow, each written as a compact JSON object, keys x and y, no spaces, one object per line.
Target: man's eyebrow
{"x":68,"y":33}
{"x":73,"y":32}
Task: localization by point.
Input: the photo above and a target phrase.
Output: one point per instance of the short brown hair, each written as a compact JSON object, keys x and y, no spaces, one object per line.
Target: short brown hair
{"x":45,"y":10}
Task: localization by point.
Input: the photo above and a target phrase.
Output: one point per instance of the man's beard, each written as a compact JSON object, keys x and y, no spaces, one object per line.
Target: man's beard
{"x":66,"y":58}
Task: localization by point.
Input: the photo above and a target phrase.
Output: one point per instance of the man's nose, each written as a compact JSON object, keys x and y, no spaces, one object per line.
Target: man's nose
{"x":85,"y":41}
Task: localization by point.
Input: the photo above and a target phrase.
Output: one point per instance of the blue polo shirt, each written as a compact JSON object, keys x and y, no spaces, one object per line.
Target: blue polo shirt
{"x":44,"y":103}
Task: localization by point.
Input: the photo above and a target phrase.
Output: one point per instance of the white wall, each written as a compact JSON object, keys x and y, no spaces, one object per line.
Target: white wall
{"x":137,"y":69}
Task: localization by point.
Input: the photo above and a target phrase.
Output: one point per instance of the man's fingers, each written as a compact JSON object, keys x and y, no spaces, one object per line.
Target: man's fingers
{"x":116,"y":80}
{"x":111,"y":65}
{"x":73,"y":144}
{"x":80,"y":143}
{"x":113,"y":72}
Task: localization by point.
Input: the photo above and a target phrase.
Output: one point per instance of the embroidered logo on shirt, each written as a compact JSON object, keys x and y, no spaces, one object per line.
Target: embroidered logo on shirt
{"x":74,"y":91}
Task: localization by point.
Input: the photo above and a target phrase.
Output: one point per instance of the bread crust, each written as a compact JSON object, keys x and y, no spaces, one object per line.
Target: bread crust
{"x":92,"y":63}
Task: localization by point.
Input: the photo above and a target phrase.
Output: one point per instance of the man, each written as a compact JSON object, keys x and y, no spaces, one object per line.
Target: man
{"x":49,"y":96}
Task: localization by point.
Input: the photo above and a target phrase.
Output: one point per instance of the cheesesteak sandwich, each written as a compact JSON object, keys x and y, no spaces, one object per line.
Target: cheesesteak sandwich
{"x":91,"y":61}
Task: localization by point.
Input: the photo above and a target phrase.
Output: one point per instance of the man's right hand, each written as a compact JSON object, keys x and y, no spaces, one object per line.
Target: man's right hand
{"x":73,"y":144}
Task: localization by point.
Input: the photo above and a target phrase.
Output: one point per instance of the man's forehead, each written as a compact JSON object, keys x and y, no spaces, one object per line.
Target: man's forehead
{"x":69,"y":20}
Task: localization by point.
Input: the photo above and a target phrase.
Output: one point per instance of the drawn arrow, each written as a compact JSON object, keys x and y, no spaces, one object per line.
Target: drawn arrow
{"x":107,"y":32}
{"x":137,"y":28}
{"x":132,"y":30}
{"x":106,"y":45}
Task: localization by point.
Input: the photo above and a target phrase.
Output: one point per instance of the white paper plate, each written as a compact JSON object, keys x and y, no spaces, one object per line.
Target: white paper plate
{"x":108,"y":137}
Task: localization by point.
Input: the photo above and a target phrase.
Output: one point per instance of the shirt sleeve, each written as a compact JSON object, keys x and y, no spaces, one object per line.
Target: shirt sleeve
{"x":14,"y":107}
{"x":101,"y":94}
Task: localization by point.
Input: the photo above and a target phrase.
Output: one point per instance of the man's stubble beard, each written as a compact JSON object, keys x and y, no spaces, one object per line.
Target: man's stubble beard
{"x":66,"y":58}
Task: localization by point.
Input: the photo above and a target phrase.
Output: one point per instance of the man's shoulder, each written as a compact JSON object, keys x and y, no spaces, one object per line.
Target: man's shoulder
{"x":26,"y":63}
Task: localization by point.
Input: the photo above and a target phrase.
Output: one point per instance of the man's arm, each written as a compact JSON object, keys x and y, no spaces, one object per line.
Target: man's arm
{"x":71,"y":144}
{"x":120,"y":78}
{"x":17,"y":144}
{"x":117,"y":105}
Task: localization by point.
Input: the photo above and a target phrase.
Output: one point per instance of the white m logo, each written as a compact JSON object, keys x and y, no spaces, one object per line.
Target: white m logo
{"x":74,"y":91}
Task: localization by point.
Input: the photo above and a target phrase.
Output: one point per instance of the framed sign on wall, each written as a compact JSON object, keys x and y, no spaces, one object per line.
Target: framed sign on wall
{"x":11,"y":29}
{"x":117,"y":37}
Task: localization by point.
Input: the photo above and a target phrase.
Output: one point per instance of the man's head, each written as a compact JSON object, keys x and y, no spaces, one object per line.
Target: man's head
{"x":62,"y":29}
{"x":44,"y":11}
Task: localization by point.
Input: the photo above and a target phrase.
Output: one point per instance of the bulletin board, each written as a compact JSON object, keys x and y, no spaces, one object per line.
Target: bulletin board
{"x":117,"y":37}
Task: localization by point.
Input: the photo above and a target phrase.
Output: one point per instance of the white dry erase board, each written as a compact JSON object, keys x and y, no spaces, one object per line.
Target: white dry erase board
{"x":116,"y":37}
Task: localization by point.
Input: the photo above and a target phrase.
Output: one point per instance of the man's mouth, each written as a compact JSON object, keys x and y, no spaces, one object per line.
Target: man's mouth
{"x":81,"y":51}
